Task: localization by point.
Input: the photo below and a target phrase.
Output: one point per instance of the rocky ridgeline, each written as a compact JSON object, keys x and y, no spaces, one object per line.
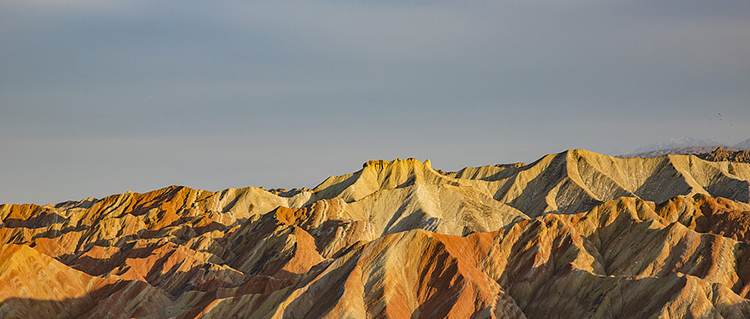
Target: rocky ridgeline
{"x":722,"y":155}
{"x":572,"y":235}
{"x":710,"y":153}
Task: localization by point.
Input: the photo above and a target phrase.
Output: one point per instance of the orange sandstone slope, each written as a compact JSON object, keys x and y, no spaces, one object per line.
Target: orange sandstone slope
{"x":572,"y":235}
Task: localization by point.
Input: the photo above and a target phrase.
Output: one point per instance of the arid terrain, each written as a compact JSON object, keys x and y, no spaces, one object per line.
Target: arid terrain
{"x":571,"y":235}
{"x":711,"y":153}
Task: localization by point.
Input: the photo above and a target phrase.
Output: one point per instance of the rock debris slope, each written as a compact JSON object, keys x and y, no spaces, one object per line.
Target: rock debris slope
{"x":572,"y":235}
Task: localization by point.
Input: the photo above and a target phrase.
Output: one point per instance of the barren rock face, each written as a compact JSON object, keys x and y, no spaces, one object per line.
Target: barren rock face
{"x":722,"y":155}
{"x":572,"y":235}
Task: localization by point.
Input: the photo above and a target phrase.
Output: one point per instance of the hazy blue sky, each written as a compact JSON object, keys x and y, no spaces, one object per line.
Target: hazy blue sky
{"x":100,"y":97}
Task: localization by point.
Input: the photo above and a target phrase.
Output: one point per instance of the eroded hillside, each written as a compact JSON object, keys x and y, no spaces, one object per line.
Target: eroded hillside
{"x":572,"y":235}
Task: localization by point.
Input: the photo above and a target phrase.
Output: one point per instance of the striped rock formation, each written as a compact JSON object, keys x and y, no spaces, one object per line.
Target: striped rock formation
{"x":572,"y":235}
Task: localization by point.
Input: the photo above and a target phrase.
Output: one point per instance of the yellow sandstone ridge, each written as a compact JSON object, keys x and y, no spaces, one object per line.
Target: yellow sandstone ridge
{"x":573,"y":235}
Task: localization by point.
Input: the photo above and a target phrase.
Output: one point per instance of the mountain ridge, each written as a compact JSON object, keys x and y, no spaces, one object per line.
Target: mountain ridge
{"x":679,"y":142}
{"x":700,"y":151}
{"x":399,"y":238}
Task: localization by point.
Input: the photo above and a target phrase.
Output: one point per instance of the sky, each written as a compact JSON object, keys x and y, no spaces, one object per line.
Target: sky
{"x":99,"y":97}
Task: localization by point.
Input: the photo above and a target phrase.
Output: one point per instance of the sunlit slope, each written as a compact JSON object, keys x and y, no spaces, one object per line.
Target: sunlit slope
{"x":33,"y":285}
{"x":576,"y":180}
{"x":624,"y":257}
{"x":574,"y":234}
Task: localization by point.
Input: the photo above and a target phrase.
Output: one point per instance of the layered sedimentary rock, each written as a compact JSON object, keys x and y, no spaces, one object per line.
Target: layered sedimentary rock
{"x":572,"y":235}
